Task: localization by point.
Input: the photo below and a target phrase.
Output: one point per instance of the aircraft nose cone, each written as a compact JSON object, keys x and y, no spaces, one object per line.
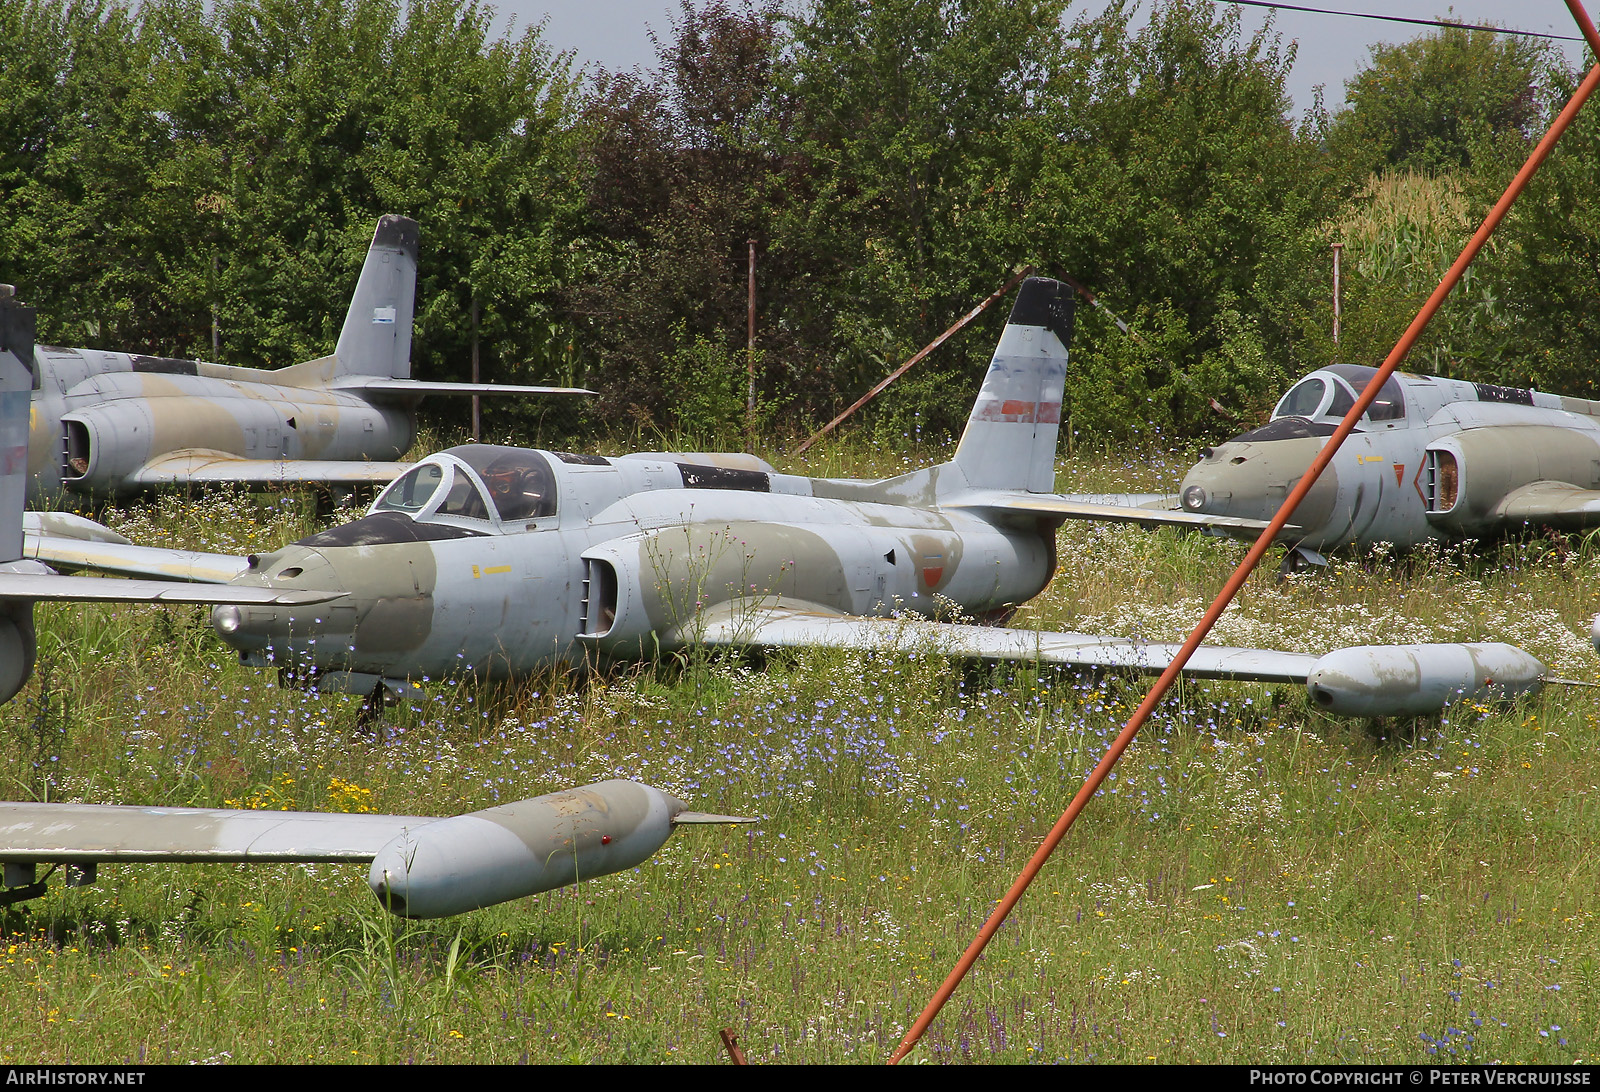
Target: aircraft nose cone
{"x":1251,"y":479}
{"x":253,"y":628}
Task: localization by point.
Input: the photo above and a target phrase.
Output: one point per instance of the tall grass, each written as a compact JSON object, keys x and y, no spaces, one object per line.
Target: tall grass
{"x":1258,"y":883}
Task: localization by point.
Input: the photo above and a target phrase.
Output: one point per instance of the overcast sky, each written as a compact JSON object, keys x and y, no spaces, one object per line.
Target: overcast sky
{"x":615,"y":33}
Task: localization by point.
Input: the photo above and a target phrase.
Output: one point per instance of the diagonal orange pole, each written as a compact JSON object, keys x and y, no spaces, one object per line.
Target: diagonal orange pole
{"x":1242,"y":573}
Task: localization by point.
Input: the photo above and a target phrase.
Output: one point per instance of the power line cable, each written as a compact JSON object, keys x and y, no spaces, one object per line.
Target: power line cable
{"x":1403,"y":19}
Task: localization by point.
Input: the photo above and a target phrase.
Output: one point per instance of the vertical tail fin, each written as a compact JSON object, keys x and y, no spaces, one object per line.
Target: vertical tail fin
{"x":16,"y":399}
{"x":376,"y":339}
{"x":1010,"y":439}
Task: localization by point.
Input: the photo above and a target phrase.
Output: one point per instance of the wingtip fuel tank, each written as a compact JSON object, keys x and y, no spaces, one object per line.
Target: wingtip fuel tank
{"x":504,"y":853}
{"x":1418,"y":680}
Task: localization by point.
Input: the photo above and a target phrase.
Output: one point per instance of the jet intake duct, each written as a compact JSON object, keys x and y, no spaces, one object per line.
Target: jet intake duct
{"x":615,"y":585}
{"x":103,"y":445}
{"x":503,"y":853}
{"x":1419,"y":680}
{"x":1466,"y":476}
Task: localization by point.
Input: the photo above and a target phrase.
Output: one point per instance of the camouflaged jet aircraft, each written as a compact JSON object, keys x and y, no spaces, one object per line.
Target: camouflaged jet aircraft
{"x":108,"y":424}
{"x":502,"y":561}
{"x":1433,"y":459}
{"x":419,"y":867}
{"x":26,"y":582}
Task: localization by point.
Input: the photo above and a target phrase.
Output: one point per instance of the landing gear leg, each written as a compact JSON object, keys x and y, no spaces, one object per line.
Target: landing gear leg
{"x":370,"y":714}
{"x":1298,"y":559}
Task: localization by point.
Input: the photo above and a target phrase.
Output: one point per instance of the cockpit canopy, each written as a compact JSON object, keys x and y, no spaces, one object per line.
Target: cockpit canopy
{"x":477,"y":483}
{"x":1326,"y":397}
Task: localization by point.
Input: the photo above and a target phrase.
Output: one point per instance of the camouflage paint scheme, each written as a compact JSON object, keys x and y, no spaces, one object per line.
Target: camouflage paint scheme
{"x":1432,"y":460}
{"x":503,"y":561}
{"x":24,"y":582}
{"x":107,"y":424}
{"x":420,"y":867}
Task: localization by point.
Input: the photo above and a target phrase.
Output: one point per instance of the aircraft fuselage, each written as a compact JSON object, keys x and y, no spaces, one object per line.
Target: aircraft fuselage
{"x":99,"y":418}
{"x":623,"y":564}
{"x":1434,"y":459}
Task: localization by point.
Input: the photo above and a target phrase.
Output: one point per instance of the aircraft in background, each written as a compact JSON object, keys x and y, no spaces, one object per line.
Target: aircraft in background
{"x":108,"y":425}
{"x":503,"y":561}
{"x":1432,"y":460}
{"x":420,"y":867}
{"x":26,"y":582}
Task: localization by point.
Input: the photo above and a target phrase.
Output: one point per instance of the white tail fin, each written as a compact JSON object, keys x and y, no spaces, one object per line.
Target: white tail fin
{"x":1010,"y":440}
{"x":16,"y":397}
{"x":376,"y":339}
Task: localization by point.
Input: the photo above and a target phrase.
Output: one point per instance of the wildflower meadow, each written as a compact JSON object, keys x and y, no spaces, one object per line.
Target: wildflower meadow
{"x":1256,"y":883}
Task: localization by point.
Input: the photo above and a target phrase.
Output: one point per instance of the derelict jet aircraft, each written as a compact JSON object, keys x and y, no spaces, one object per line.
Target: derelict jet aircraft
{"x":502,"y":561}
{"x":108,"y":424}
{"x":419,"y":867}
{"x":26,"y":582}
{"x":1433,"y":459}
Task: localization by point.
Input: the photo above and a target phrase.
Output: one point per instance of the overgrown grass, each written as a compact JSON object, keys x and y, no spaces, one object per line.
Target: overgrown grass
{"x":1258,"y":883}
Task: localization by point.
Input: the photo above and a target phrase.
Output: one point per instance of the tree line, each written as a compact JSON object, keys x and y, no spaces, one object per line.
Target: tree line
{"x":202,"y":180}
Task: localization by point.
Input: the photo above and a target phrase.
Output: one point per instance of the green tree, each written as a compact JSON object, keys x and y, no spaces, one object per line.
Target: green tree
{"x":1428,"y":103}
{"x":682,"y":169}
{"x":1185,"y":197}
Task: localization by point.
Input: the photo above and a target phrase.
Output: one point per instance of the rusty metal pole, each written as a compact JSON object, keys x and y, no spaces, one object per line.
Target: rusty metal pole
{"x":1337,"y":248}
{"x":924,"y":351}
{"x":750,"y":340}
{"x":477,"y":402}
{"x":1242,"y":573}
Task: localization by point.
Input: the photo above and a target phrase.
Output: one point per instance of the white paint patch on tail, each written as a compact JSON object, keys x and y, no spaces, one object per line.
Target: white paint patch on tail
{"x":1010,"y":439}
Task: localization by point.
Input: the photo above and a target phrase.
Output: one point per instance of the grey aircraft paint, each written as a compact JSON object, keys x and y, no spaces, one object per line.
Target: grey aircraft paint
{"x":502,"y":561}
{"x":420,"y":867}
{"x":108,"y":424}
{"x":1433,"y":459}
{"x":24,"y":582}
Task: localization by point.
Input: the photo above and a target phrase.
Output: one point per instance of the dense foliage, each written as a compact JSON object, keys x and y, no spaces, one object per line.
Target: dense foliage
{"x":201,"y":180}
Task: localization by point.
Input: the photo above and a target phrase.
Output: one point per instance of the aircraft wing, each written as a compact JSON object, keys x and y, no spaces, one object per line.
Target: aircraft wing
{"x":1095,"y":508}
{"x":31,"y":581}
{"x":126,"y":559}
{"x":105,"y":832}
{"x":402,"y":388}
{"x":1551,"y":504}
{"x":789,"y":625}
{"x":220,"y":468}
{"x":1362,"y":681}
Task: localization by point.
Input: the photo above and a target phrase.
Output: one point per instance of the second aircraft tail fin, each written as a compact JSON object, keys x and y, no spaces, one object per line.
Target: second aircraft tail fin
{"x":376,"y":338}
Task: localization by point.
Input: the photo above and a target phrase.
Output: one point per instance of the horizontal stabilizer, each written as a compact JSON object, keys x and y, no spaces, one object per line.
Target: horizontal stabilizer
{"x":218,"y":468}
{"x":1045,"y":504}
{"x":402,"y":388}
